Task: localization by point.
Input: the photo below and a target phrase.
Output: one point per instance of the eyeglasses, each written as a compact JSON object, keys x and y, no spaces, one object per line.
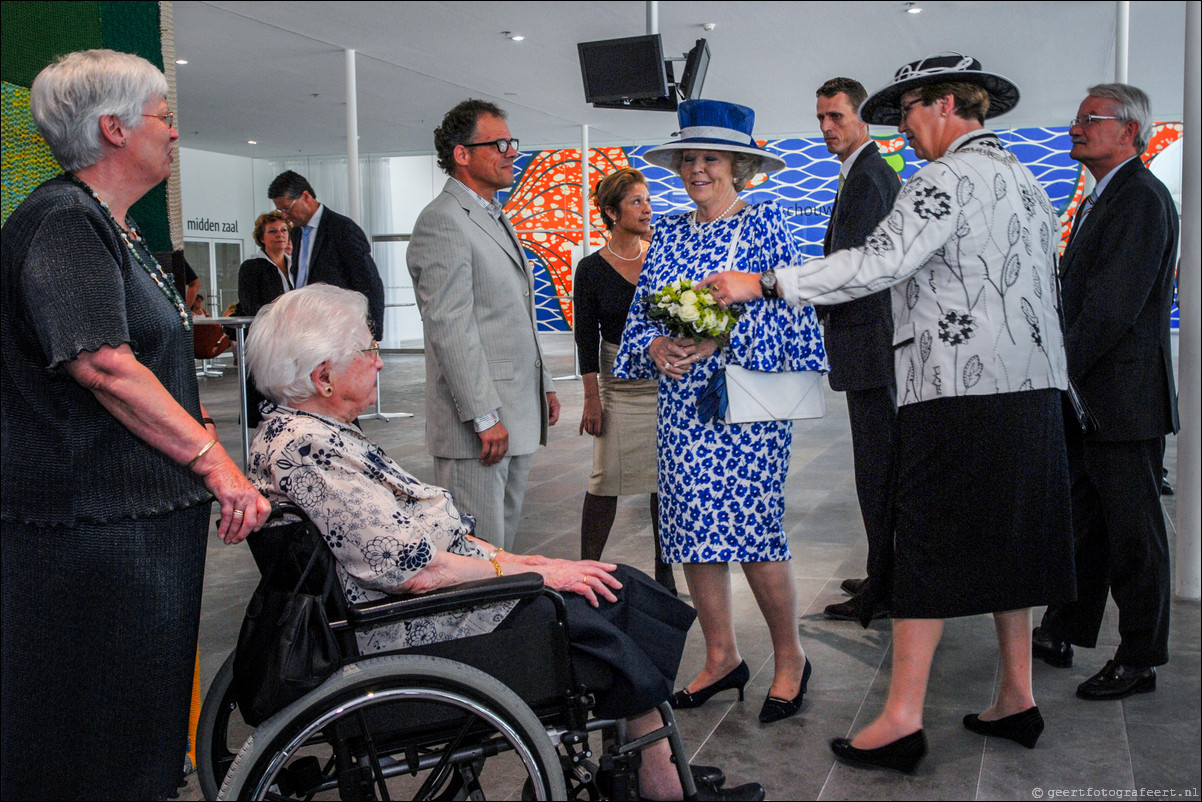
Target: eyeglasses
{"x":166,"y":116}
{"x":288,"y":208}
{"x":374,"y":350}
{"x":905,"y":107}
{"x":502,"y":145}
{"x":1089,"y":119}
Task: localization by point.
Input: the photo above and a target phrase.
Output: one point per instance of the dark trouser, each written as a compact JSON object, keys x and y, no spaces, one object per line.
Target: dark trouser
{"x":1121,"y":548}
{"x":873,"y":417}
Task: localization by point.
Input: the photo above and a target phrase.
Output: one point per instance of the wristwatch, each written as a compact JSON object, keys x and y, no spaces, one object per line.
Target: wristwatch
{"x":768,"y":285}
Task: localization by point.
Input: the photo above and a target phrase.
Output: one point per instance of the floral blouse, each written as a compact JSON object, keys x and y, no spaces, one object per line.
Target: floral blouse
{"x":381,"y":523}
{"x":969,"y":250}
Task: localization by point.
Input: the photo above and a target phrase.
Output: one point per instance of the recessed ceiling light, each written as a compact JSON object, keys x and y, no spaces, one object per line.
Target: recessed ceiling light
{"x":911,"y":8}
{"x":181,"y":61}
{"x":251,"y":142}
{"x":515,"y":37}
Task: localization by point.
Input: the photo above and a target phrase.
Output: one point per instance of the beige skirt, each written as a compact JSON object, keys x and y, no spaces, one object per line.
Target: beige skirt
{"x":624,"y":455}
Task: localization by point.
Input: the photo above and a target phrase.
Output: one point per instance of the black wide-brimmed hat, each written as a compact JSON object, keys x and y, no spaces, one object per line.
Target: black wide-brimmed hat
{"x":881,"y":108}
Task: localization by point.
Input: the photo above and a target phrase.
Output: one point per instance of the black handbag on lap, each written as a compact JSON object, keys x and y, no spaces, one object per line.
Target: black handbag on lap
{"x":285,"y":647}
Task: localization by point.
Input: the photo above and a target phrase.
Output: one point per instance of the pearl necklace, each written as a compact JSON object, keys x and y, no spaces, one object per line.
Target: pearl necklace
{"x":608,"y":247}
{"x":696,"y":224}
{"x":156,"y":273}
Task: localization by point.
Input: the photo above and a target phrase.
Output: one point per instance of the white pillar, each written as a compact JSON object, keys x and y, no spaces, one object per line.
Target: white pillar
{"x":652,"y":17}
{"x":352,"y":139}
{"x":1188,"y":556}
{"x":1122,"y":29}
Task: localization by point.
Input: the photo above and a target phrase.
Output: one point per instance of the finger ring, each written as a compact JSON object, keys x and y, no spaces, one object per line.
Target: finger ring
{"x":239,"y":512}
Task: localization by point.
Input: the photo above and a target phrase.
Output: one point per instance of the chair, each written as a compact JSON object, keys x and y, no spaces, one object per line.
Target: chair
{"x":471,"y":718}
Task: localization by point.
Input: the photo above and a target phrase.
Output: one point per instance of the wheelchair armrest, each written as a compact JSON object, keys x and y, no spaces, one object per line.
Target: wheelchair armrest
{"x":443,"y":600}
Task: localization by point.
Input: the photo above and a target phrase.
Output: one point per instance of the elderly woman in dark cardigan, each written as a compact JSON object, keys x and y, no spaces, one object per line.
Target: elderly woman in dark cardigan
{"x":109,"y":461}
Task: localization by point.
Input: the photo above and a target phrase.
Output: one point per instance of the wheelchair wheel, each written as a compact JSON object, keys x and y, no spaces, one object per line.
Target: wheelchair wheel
{"x":399,"y":727}
{"x":220,"y":731}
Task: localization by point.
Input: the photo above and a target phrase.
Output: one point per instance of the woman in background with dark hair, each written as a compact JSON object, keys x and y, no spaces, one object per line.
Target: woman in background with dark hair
{"x":619,"y":413}
{"x":261,"y":279}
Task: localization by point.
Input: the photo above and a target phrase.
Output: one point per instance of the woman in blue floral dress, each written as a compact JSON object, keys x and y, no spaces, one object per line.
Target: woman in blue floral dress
{"x":721,"y":485}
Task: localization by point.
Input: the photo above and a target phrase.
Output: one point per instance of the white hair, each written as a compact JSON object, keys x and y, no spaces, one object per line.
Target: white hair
{"x":1134,"y":106}
{"x":298,"y":331}
{"x":69,"y":97}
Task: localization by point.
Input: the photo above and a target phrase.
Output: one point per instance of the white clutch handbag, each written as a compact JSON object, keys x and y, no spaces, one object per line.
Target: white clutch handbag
{"x":756,"y":395}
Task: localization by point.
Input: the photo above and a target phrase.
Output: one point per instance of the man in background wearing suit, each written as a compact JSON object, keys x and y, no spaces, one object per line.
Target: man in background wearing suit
{"x":326,"y":246}
{"x":1117,"y":278}
{"x":489,"y":395}
{"x":858,"y":336}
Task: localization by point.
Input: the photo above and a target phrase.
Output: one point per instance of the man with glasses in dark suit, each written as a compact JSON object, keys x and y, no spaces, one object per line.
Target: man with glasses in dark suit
{"x":1117,"y":276}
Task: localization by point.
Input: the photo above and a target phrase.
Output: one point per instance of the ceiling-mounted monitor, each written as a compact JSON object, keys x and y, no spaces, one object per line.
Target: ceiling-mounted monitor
{"x":628,"y":73}
{"x":695,"y":66}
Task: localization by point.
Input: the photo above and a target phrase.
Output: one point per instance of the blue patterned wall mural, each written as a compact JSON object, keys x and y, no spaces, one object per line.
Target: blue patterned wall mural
{"x":545,"y":204}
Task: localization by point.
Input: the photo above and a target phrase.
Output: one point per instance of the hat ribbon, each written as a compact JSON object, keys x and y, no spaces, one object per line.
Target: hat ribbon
{"x":907,"y":72}
{"x":715,"y":132}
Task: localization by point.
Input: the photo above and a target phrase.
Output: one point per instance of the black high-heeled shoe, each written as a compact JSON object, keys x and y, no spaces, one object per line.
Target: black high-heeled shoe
{"x":737,"y":678}
{"x":900,"y":755}
{"x":775,"y":708}
{"x":1022,"y":728}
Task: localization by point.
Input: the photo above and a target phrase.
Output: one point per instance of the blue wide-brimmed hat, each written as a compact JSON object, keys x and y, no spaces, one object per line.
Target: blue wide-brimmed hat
{"x":881,"y":107}
{"x":714,"y":125}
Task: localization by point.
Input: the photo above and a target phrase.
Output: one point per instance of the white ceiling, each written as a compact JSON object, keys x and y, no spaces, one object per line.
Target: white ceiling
{"x":275,"y":73}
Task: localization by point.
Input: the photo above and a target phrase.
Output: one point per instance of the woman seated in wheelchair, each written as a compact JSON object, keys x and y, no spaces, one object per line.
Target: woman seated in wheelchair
{"x":312,"y":355}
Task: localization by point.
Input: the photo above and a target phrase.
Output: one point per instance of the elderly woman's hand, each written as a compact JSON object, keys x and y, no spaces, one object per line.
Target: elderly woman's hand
{"x":589,"y":578}
{"x":243,"y":509}
{"x":676,"y":356}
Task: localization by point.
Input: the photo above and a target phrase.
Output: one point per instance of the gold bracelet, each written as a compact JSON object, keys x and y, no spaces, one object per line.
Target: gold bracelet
{"x":203,"y":450}
{"x":492,"y":555}
{"x":497,"y":565}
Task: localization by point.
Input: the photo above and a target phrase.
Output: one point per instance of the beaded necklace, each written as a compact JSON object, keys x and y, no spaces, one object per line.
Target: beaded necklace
{"x":696,"y":225}
{"x":154,"y":269}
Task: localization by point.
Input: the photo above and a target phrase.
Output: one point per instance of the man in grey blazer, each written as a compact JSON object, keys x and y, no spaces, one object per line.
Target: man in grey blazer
{"x":858,"y":336}
{"x":489,"y":395}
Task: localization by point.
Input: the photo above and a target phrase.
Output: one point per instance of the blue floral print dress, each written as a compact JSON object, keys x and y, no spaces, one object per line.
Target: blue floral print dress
{"x":721,"y":485}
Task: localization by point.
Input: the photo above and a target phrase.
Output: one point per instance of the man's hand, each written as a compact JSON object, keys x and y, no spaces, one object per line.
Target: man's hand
{"x":495,"y":441}
{"x":732,"y":287}
{"x":552,"y":409}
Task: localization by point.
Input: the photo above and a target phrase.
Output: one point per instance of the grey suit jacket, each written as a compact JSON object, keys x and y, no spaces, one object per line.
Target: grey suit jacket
{"x":475,"y":292}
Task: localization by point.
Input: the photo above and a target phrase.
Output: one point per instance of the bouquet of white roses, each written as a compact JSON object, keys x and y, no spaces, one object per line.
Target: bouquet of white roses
{"x":687,"y":311}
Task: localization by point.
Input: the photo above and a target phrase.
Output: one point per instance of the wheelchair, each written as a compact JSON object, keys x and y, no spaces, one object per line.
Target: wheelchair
{"x":492,"y":716}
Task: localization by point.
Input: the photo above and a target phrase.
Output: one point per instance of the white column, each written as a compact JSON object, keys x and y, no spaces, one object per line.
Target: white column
{"x":1122,"y":29}
{"x":585,"y":184}
{"x":1188,"y":556}
{"x":352,"y":139}
{"x":652,"y":17}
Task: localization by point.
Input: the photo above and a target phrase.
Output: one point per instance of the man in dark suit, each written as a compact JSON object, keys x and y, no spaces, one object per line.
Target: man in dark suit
{"x":326,"y":246}
{"x":1117,"y":278}
{"x":859,"y":338}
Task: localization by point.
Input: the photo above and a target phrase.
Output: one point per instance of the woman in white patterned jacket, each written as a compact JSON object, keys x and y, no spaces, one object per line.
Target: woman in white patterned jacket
{"x":982,"y":496}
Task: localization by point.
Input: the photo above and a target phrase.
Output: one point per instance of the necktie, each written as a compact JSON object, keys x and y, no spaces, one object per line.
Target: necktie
{"x":302,"y":268}
{"x":1082,"y":213}
{"x":839,"y":189}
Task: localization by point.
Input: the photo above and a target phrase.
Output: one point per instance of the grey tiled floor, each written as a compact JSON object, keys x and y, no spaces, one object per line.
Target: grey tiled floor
{"x":1149,"y":741}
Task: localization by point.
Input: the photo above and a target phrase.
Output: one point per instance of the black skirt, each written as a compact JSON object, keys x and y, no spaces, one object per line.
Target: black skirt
{"x":99,"y":645}
{"x":983,"y":522}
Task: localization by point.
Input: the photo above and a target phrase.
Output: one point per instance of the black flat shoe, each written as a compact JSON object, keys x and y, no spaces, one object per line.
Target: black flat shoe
{"x":1116,"y":681}
{"x":901,"y":755}
{"x":707,"y":775}
{"x":749,"y":792}
{"x":775,"y":709}
{"x":1022,"y":728}
{"x":737,"y":678}
{"x":853,"y":586}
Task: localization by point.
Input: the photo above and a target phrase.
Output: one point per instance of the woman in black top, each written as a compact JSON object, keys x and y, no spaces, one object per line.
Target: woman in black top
{"x":261,"y":279}
{"x":619,"y":414}
{"x":109,"y":461}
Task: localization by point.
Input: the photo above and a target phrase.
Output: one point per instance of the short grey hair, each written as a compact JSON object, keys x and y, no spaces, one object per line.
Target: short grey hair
{"x":69,"y":97}
{"x":298,"y":331}
{"x":743,"y":166}
{"x":1134,"y":106}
